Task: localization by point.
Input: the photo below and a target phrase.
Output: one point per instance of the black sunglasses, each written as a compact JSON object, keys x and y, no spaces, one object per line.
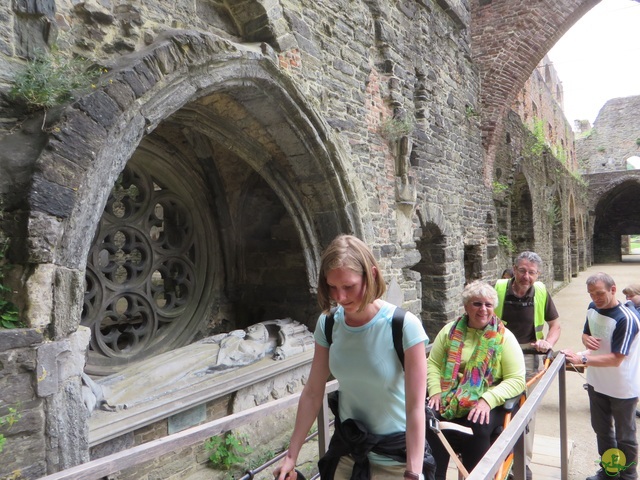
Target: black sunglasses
{"x":479,"y":304}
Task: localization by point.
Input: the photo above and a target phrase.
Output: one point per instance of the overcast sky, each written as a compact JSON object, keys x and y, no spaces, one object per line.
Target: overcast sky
{"x":599,"y":58}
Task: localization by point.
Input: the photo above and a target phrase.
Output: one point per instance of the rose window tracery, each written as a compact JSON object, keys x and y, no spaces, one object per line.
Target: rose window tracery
{"x":144,"y":278}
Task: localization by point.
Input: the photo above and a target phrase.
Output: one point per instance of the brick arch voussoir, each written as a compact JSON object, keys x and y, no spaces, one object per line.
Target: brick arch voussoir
{"x":94,"y":138}
{"x":508,"y":40}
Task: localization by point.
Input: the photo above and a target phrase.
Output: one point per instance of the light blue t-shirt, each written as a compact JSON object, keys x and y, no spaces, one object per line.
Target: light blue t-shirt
{"x":364,"y":361}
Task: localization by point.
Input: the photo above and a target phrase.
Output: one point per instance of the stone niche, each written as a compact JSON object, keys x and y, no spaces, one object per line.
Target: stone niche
{"x":204,"y":381}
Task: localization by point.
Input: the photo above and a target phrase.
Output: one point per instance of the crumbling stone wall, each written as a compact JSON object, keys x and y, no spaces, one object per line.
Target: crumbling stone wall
{"x":603,"y":153}
{"x":536,"y":209}
{"x":507,"y":56}
{"x":364,"y":122}
{"x":614,"y":138}
{"x":540,"y":106}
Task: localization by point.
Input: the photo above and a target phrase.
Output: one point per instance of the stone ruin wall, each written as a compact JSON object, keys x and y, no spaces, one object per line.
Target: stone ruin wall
{"x":603,"y":152}
{"x":355,"y":70}
{"x":531,"y":195}
{"x":614,"y":138}
{"x":541,"y":99}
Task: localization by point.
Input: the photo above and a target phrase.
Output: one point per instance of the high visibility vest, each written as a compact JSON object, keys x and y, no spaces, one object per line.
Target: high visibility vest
{"x":539,"y":304}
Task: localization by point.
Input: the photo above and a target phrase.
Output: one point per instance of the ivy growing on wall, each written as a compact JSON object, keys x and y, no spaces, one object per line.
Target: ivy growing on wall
{"x":506,"y":243}
{"x":227,"y":450}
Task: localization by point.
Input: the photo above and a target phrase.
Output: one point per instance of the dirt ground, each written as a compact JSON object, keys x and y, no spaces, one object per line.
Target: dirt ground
{"x":572,"y":303}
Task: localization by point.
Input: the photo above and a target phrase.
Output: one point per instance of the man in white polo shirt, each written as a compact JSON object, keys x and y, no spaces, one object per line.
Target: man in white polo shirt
{"x":613,"y":377}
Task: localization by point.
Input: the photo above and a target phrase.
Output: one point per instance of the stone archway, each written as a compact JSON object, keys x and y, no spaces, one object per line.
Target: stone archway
{"x":522,"y":232}
{"x":432,"y":268}
{"x":439,"y":294}
{"x":573,"y":238}
{"x":560,"y":266}
{"x":234,"y":123}
{"x":617,"y":213}
{"x":508,"y":40}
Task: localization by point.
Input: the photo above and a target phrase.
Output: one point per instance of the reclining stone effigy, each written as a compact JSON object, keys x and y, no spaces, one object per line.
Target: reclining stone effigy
{"x":181,"y":368}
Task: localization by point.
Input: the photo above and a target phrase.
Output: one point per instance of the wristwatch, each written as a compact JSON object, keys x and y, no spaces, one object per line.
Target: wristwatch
{"x":413,"y":476}
{"x":583,"y":357}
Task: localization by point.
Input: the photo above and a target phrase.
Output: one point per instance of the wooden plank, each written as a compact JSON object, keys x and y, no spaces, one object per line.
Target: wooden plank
{"x":156,"y":448}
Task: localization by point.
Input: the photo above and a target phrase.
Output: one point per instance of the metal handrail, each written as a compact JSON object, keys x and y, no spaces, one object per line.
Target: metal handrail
{"x":511,"y":438}
{"x":513,"y":434}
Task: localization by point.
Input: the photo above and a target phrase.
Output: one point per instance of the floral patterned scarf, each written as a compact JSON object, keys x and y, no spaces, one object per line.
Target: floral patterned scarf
{"x":461,"y":391}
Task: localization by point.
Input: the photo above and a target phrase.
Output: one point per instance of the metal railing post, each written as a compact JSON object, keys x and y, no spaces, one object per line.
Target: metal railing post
{"x":562,"y":404}
{"x":519,"y":462}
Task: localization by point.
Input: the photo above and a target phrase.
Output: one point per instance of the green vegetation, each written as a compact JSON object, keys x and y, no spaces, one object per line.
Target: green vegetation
{"x":540,"y":142}
{"x":499,"y":188}
{"x":554,"y":214}
{"x":9,"y":420}
{"x":470,"y":112}
{"x":506,"y":243}
{"x":638,"y":141}
{"x":9,"y":314}
{"x":396,"y":128}
{"x":227,"y":450}
{"x":560,"y":153}
{"x":50,"y":79}
{"x":579,"y":178}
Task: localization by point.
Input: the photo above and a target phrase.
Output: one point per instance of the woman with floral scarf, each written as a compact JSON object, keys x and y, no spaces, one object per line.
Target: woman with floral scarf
{"x":475,"y":365}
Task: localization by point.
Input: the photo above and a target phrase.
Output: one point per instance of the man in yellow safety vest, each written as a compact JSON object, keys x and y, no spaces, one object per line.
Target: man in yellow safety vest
{"x":524,"y":305}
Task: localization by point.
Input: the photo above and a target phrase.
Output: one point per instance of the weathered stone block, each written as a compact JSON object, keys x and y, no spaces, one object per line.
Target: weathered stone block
{"x":68,"y":297}
{"x":61,"y":363}
{"x":77,"y":138}
{"x":35,"y":7}
{"x":100,"y":107}
{"x":24,"y":337}
{"x":51,"y":198}
{"x":39,"y":288}
{"x":59,"y":170}
{"x":67,"y":431}
{"x":16,"y":388}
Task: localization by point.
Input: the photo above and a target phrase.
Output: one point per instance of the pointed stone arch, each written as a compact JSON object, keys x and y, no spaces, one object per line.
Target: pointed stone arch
{"x":560,"y":264}
{"x":573,"y":238}
{"x":522,"y":231}
{"x":216,"y":100}
{"x":507,"y":56}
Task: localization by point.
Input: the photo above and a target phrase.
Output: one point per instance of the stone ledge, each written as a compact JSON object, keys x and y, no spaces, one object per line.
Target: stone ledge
{"x":104,"y":426}
{"x":20,"y":338}
{"x":458,"y":11}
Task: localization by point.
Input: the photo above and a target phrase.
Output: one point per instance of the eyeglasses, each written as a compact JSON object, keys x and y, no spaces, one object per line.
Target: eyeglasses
{"x":488,"y":306}
{"x":522,"y":271}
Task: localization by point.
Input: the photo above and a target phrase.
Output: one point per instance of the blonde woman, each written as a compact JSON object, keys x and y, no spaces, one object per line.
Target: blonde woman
{"x":376,"y":396}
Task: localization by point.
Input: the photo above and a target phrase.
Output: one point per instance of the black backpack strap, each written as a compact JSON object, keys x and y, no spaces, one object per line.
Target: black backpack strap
{"x":328,"y":326}
{"x":397,"y":323}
